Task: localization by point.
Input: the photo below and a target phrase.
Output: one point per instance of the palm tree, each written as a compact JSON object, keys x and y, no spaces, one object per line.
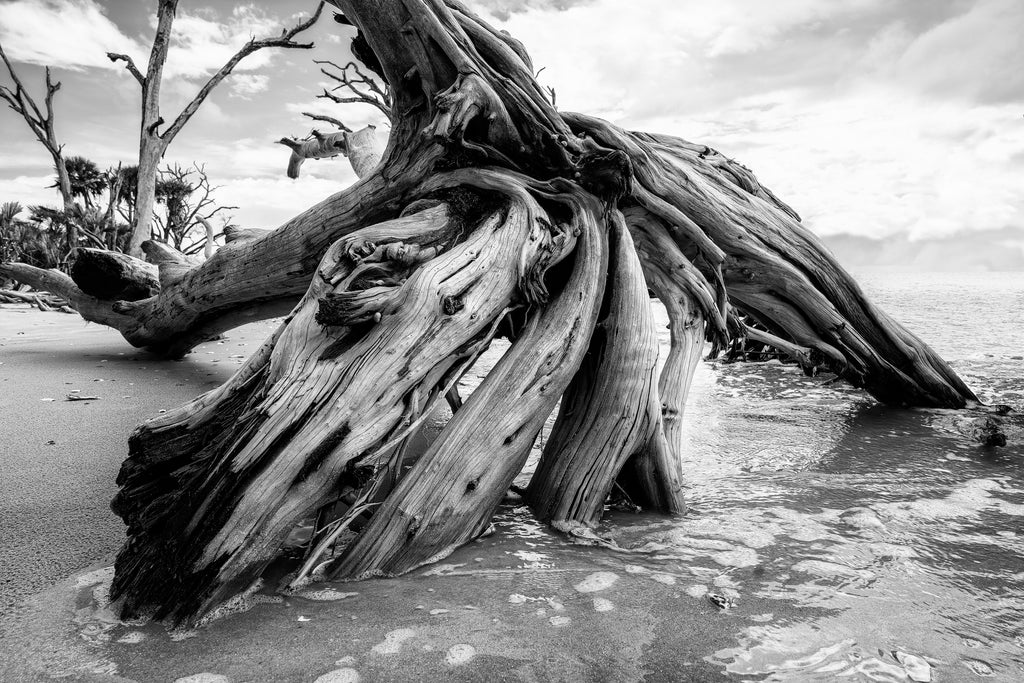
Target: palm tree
{"x":31,"y":241}
{"x":87,"y":180}
{"x":8,"y":213}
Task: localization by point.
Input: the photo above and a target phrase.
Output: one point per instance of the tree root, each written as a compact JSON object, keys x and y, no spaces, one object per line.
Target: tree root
{"x":395,"y":312}
{"x":490,"y":212}
{"x":611,"y":409}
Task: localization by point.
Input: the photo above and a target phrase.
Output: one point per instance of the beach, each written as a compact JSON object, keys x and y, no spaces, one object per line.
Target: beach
{"x":827,"y":535}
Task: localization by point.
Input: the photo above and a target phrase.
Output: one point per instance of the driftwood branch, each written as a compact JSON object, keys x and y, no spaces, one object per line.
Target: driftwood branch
{"x":363,"y":87}
{"x":19,"y":100}
{"x":327,"y":119}
{"x":359,"y":146}
{"x":129,"y":64}
{"x":285,"y":40}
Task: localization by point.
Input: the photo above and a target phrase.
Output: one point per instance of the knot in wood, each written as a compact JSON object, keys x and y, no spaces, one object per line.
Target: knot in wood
{"x":360,"y":250}
{"x":452,"y":304}
{"x":607,"y":174}
{"x":414,"y":525}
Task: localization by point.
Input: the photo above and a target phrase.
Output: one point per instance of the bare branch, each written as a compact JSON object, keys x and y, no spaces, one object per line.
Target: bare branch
{"x":318,"y":146}
{"x":327,"y":119}
{"x":128,"y":64}
{"x":39,"y":123}
{"x":283,"y":41}
{"x":21,"y":102}
{"x":364,"y":88}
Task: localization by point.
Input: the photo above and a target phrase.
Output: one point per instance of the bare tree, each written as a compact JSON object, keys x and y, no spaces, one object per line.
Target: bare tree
{"x":359,"y":146}
{"x":42,"y":127}
{"x":361,"y":87}
{"x":152,"y":141}
{"x":189,"y":205}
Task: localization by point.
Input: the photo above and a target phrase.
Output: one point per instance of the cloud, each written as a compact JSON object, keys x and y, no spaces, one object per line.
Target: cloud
{"x":29,"y":191}
{"x":867,"y":116}
{"x":77,"y":34}
{"x":976,"y":55}
{"x":503,"y":9}
{"x":70,"y":34}
{"x":998,"y":250}
{"x":879,"y":118}
{"x":270,"y":202}
{"x":247,"y":85}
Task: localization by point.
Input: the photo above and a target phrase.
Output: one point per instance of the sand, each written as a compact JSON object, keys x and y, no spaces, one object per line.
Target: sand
{"x":583,"y":616}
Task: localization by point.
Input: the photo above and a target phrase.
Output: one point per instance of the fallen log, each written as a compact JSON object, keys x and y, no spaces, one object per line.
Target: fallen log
{"x":113,"y":275}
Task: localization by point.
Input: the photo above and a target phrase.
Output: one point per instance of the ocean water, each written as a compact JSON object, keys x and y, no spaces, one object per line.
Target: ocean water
{"x":879,"y":532}
{"x":852,"y":542}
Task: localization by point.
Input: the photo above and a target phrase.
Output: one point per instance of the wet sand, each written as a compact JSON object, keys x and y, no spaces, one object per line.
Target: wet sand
{"x":498,"y":609}
{"x":853,"y":542}
{"x":59,"y":458}
{"x":483,"y":614}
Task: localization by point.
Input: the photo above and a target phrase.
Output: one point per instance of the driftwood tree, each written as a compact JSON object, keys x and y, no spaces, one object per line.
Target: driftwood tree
{"x":490,"y":213}
{"x":41,"y":122}
{"x":189,"y":206}
{"x":153,"y":142}
{"x":357,"y":87}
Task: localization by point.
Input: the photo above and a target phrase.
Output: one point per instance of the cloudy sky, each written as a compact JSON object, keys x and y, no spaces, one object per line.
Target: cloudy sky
{"x":901,"y":119}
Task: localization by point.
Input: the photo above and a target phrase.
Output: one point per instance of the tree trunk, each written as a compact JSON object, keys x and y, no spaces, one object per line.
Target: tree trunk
{"x":489,"y":211}
{"x":151,"y":143}
{"x":150,"y":153}
{"x":111,"y":275}
{"x":67,"y":200}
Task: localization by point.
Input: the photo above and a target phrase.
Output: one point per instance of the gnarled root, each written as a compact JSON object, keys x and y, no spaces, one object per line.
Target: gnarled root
{"x":396,"y":313}
{"x":775,"y":268}
{"x":489,"y":208}
{"x":450,"y":494}
{"x":611,"y":409}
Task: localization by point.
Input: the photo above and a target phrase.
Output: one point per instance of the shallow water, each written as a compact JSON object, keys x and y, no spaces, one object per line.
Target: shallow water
{"x":887,"y":533}
{"x":849,"y":540}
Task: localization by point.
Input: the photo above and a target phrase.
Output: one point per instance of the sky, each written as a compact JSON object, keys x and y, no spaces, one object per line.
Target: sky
{"x":894,"y":119}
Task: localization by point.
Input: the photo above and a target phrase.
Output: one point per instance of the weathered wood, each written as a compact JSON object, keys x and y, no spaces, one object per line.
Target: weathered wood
{"x":611,"y":410}
{"x":172,"y":265}
{"x":489,"y":211}
{"x":359,"y":146}
{"x":113,"y":275}
{"x":319,"y":147}
{"x":776,"y":267}
{"x":323,"y":404}
{"x":655,"y":476}
{"x":233,"y":233}
{"x":451,"y":492}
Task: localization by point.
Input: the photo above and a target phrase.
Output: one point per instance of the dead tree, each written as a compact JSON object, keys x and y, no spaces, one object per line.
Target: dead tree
{"x":489,"y":213}
{"x":42,"y":126}
{"x":357,"y":86}
{"x":152,"y":141}
{"x":189,"y":205}
{"x":359,"y":146}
